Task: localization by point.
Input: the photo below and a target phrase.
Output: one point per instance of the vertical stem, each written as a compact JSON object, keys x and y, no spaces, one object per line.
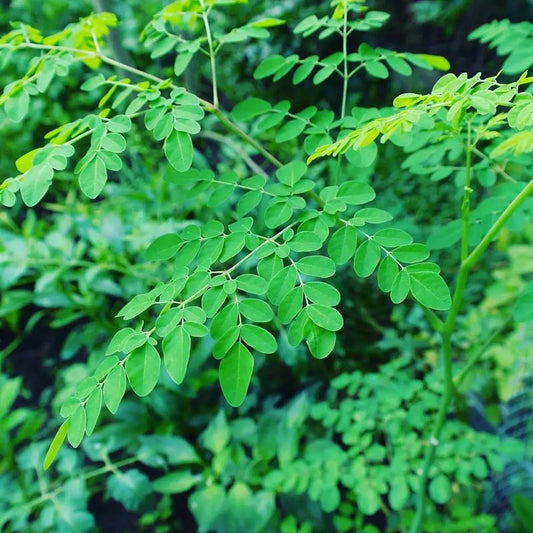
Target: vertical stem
{"x":211,"y":53}
{"x":465,"y":208}
{"x":345,"y":76}
{"x":345,"y":79}
{"x":446,"y":338}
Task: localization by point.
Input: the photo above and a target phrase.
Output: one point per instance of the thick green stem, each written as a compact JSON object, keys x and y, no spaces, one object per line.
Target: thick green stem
{"x":446,"y":334}
{"x":476,"y":253}
{"x":446,"y":331}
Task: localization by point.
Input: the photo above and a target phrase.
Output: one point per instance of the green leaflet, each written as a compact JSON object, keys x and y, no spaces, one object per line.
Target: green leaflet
{"x":429,"y":289}
{"x":387,"y":271}
{"x":178,"y":150}
{"x":316,"y":265}
{"x":342,"y":244}
{"x":440,"y":489}
{"x":367,"y":258}
{"x":392,"y":237}
{"x":93,"y":408}
{"x":319,"y":292}
{"x":176,"y":482}
{"x":176,"y":352}
{"x":55,"y":445}
{"x":138,"y":304}
{"x":114,"y":388}
{"x":320,"y":341}
{"x":93,"y":177}
{"x":256,"y":310}
{"x":523,"y":311}
{"x":76,"y":426}
{"x":17,"y":105}
{"x":282,"y":282}
{"x":325,"y":317}
{"x":258,"y":338}
{"x":291,"y":305}
{"x":36,"y":183}
{"x":235,"y":373}
{"x":142,"y":368}
{"x":411,"y":253}
{"x":163,"y":248}
{"x":400,"y":287}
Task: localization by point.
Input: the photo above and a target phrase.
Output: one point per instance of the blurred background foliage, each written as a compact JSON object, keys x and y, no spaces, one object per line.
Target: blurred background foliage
{"x":328,"y":445}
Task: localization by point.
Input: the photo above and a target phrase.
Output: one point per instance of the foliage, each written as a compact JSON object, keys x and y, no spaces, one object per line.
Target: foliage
{"x":243,"y":250}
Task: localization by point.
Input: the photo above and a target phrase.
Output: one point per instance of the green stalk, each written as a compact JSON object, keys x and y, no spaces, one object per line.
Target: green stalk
{"x":468,"y":261}
{"x":211,"y":53}
{"x":345,"y":79}
{"x":446,"y":331}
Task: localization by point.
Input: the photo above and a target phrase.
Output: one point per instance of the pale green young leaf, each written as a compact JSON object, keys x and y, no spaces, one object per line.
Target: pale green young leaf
{"x":235,"y":373}
{"x":143,"y":368}
{"x":55,"y":445}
